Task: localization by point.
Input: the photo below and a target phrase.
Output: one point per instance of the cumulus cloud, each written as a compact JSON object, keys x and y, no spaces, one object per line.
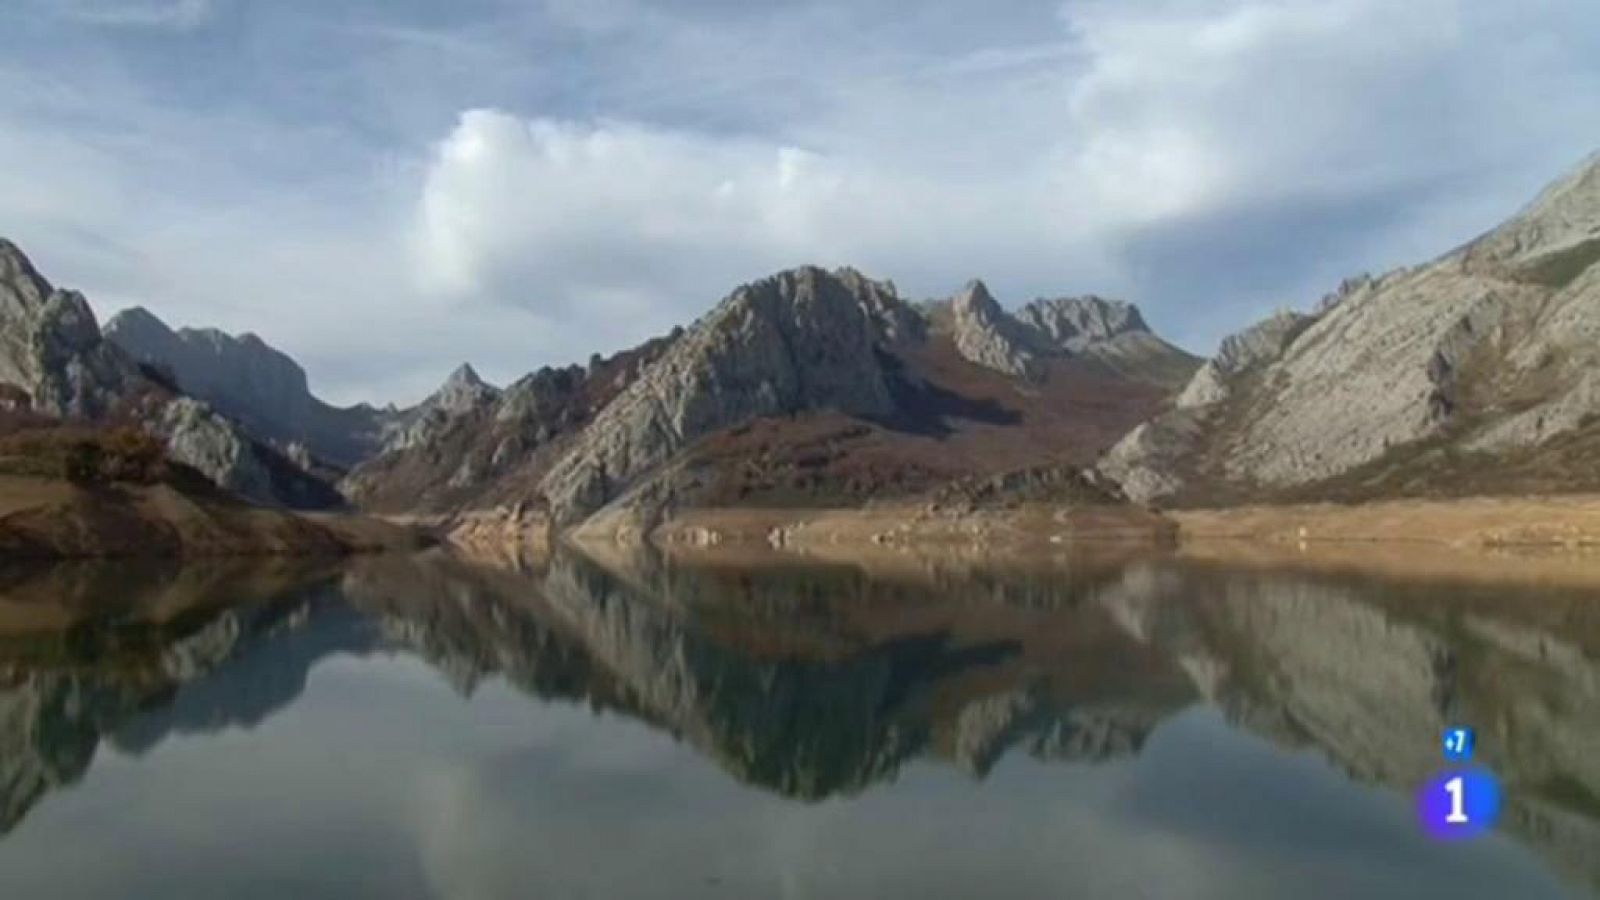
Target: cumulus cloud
{"x":1041,"y":167}
{"x":521,"y":184}
{"x":561,"y":215}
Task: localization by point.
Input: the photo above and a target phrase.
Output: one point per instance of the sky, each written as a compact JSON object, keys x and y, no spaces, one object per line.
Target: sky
{"x":387,"y":188}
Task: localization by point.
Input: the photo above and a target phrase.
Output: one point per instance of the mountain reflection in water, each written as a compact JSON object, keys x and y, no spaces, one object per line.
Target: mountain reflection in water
{"x":1094,"y":728}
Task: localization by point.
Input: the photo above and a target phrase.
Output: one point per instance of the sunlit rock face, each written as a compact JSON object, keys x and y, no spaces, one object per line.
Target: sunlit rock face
{"x":52,"y":351}
{"x":1488,"y":350}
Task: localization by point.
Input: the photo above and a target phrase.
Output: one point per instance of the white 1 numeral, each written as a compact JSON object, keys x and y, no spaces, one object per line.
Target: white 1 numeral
{"x":1458,"y":798}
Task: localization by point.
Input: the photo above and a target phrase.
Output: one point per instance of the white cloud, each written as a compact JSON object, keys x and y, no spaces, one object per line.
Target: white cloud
{"x":562,"y":215}
{"x":600,"y":189}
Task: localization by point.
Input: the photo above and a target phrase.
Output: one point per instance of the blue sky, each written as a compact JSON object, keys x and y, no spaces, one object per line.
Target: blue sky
{"x":385,"y":189}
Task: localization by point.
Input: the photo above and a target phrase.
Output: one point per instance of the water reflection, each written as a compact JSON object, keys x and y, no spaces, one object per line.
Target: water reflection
{"x":1167,"y":683}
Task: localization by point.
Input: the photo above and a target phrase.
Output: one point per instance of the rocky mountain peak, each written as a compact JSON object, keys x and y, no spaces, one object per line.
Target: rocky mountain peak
{"x":464,"y":377}
{"x":1074,"y":322}
{"x":52,"y":349}
{"x":799,"y":340}
{"x":252,"y":382}
{"x":462,"y":391}
{"x":986,"y":335}
{"x":20,"y":283}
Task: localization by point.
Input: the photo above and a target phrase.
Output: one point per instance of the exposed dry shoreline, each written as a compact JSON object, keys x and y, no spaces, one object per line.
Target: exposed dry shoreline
{"x":1569,"y":525}
{"x":1567,"y":521}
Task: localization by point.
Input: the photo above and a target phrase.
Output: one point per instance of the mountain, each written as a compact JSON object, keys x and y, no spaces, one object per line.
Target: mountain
{"x":57,"y":363}
{"x":1472,"y":374}
{"x":470,"y":443}
{"x":1110,"y":332}
{"x":805,"y":388}
{"x":254,"y":384}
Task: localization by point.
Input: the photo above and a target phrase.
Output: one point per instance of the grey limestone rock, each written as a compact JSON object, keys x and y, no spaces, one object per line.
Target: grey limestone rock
{"x":1492,"y":347}
{"x":800,"y":340}
{"x":985,"y":334}
{"x":1109,"y":331}
{"x":52,"y":349}
{"x":255,"y":384}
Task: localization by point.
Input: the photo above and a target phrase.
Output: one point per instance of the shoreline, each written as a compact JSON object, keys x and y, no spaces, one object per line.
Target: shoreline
{"x":49,"y":519}
{"x":1569,"y":522}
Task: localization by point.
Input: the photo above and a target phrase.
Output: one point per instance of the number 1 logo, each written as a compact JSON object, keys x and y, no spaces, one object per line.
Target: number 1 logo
{"x":1459,"y":804}
{"x":1457,"y":788}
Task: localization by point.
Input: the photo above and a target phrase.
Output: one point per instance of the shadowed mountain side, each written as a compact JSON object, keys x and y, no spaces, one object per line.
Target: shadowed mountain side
{"x":256,"y":385}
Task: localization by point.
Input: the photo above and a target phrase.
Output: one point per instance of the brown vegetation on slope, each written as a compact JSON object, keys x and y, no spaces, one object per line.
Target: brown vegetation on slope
{"x":73,"y":490}
{"x":956,"y":420}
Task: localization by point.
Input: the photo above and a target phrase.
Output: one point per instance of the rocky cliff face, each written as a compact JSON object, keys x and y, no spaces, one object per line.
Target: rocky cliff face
{"x":255,"y":384}
{"x":802,"y":340}
{"x":462,"y":394}
{"x":51,"y":347}
{"x":1427,"y":379}
{"x":1109,"y":332}
{"x":470,"y":444}
{"x":986,"y":335}
{"x":52,"y":350}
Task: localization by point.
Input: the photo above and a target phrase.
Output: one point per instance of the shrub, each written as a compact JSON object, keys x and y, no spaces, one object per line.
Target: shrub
{"x":86,"y":456}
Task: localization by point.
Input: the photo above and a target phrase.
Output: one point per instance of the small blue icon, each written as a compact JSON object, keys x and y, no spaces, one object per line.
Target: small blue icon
{"x":1459,"y":744}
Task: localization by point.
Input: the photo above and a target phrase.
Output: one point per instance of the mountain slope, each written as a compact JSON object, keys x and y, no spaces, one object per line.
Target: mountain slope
{"x":1427,"y":380}
{"x":807,"y":388}
{"x":56,"y":362}
{"x":253,"y":383}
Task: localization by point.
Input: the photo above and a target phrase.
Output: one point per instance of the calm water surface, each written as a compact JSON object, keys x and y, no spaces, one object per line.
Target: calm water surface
{"x":424,"y":728}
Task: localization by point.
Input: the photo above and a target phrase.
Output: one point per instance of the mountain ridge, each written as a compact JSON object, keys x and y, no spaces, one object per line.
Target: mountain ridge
{"x":1421,"y":381}
{"x":55,"y":357}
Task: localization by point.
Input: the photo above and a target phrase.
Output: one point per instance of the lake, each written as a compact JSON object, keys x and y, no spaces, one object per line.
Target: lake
{"x":1144,"y":726}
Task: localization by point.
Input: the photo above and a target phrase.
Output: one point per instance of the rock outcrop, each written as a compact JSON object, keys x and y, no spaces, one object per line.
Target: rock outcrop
{"x":802,"y":340}
{"x":254,"y":384}
{"x":1426,"y":379}
{"x":462,"y":394}
{"x":52,"y":350}
{"x":470,"y":445}
{"x":985,"y":334}
{"x":51,"y":347}
{"x":1110,"y":332}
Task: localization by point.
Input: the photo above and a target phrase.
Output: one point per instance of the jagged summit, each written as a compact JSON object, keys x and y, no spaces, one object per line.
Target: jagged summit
{"x":1075,"y":322}
{"x":1110,"y":332}
{"x":464,"y":376}
{"x":985,"y":334}
{"x":801,"y":339}
{"x":254,"y":383}
{"x":462,"y":390}
{"x":23,"y":284}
